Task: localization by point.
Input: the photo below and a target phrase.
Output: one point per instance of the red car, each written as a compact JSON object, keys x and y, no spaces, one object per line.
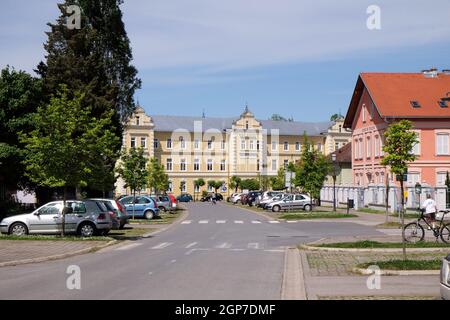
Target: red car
{"x":173,"y":201}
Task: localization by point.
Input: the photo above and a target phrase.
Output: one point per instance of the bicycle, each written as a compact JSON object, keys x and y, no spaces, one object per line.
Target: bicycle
{"x":414,"y":232}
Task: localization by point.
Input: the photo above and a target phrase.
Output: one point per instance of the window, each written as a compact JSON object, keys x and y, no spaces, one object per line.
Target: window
{"x":286,"y":146}
{"x":182,"y":143}
{"x":415,"y":104}
{"x":170,"y":188}
{"x":336,"y":146}
{"x":252,"y":144}
{"x":210,"y":188}
{"x":169,"y":143}
{"x":257,"y":165}
{"x":297,"y":146}
{"x":133,"y":142}
{"x":197,"y":165}
{"x":196,"y":188}
{"x":285,"y":164}
{"x":360,"y":149}
{"x":368,"y":148}
{"x":169,"y":166}
{"x":381,"y":147}
{"x":196,"y":144}
{"x":222,"y":165}
{"x":274,"y":165}
{"x":210,"y":144}
{"x":246,"y":125}
{"x":209,"y":166}
{"x":413,"y":177}
{"x":257,"y":145}
{"x":340,"y":128}
{"x":183,"y":186}
{"x":242,"y":144}
{"x":274,"y":145}
{"x":144,"y":142}
{"x":416,"y":146}
{"x":377,"y":146}
{"x":381,"y":178}
{"x":319,"y":147}
{"x":138,"y":122}
{"x":440,"y":178}
{"x":443,"y":104}
{"x":183,"y":165}
{"x":222,"y":145}
{"x":442,"y":144}
{"x":355,"y":148}
{"x":155,"y":143}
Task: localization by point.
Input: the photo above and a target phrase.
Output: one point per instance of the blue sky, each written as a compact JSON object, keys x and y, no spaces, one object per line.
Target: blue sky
{"x":297,"y":58}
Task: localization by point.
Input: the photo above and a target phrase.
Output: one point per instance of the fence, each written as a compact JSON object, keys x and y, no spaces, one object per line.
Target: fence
{"x":374,"y":196}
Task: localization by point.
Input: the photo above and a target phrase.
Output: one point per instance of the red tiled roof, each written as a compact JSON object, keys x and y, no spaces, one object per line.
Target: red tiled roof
{"x":392,"y":94}
{"x":344,"y":154}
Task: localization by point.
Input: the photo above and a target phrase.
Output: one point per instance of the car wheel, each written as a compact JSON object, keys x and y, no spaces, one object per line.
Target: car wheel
{"x":87,"y":230}
{"x":276,"y":208}
{"x":18,"y":229}
{"x":307,"y":207}
{"x":162,"y":209}
{"x":148,"y":214}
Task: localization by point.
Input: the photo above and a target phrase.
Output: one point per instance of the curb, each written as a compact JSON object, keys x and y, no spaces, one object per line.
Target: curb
{"x":293,"y":283}
{"x":58,"y":256}
{"x":397,"y":272}
{"x":395,"y":250}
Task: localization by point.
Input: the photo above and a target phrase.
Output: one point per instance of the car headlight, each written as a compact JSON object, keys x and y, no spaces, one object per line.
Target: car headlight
{"x":445,"y":272}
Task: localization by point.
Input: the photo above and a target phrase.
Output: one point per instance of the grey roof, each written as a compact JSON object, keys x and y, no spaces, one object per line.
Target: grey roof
{"x":172,"y":123}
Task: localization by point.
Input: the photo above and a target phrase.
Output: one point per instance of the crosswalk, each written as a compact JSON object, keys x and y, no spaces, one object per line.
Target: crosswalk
{"x":186,"y":222}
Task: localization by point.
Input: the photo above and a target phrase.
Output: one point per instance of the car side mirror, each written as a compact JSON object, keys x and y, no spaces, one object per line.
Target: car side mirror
{"x":37,"y":213}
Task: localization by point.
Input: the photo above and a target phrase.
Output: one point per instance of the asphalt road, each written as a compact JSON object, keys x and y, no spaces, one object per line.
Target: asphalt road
{"x":218,"y":252}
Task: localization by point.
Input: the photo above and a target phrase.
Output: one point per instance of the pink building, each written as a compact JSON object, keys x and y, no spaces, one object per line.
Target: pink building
{"x":382,"y":98}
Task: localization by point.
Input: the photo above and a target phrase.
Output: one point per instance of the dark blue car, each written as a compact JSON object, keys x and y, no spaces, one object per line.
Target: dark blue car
{"x":186,"y":197}
{"x":144,"y":207}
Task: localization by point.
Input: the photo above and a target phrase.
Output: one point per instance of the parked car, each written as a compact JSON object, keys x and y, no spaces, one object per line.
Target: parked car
{"x":252,"y":197}
{"x":291,"y":202}
{"x":164,"y":203}
{"x":235,"y":198}
{"x":119,"y":210}
{"x":263,"y":203}
{"x":85,"y":218}
{"x":445,"y":278}
{"x":219,"y":197}
{"x":173,"y":201}
{"x":185,"y":197}
{"x":144,"y":207}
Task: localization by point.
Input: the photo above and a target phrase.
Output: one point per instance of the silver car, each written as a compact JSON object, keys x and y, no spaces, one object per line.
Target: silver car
{"x":445,"y":278}
{"x":291,"y":202}
{"x":85,"y":218}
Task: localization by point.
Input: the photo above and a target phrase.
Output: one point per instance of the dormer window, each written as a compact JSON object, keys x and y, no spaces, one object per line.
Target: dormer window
{"x":138,"y":122}
{"x":415,"y":104}
{"x":443,"y":104}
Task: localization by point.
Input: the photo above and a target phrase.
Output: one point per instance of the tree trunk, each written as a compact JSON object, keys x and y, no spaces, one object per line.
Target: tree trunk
{"x":63,"y":215}
{"x":134,"y":200}
{"x":402,"y":214}
{"x":387,"y":198}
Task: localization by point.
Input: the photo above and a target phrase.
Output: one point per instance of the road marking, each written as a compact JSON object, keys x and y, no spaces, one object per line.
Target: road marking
{"x":224,"y":245}
{"x":173,"y":261}
{"x":290,"y":221}
{"x":256,"y":222}
{"x":190,"y":245}
{"x":150,"y":273}
{"x":253,"y":245}
{"x":193,"y":250}
{"x":274,"y":250}
{"x":274,"y":221}
{"x":221,"y":221}
{"x":203,"y":221}
{"x":162,"y":245}
{"x":186,"y":222}
{"x":237,"y":249}
{"x":129,"y":246}
{"x":238,"y":221}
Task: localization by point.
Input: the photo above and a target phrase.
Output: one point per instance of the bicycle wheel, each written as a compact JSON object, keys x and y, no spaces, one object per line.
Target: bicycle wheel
{"x":445,"y":233}
{"x":413,"y":232}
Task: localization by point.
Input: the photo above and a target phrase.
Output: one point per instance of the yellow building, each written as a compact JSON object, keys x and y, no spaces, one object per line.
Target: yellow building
{"x":190,"y":148}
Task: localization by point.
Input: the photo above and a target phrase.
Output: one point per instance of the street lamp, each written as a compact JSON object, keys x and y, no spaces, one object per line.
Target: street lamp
{"x":418,"y":189}
{"x":333,"y":159}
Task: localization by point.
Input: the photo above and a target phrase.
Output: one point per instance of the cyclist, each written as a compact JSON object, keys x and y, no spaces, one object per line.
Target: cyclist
{"x":429,"y":206}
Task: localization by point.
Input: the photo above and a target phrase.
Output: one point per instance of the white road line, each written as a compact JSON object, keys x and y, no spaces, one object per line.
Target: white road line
{"x":237,"y":249}
{"x":192,"y":250}
{"x":129,"y":246}
{"x":256,"y":222}
{"x":203,"y":221}
{"x":274,"y":250}
{"x":186,"y":222}
{"x":162,"y":245}
{"x":238,"y":221}
{"x":173,"y":261}
{"x":290,"y":221}
{"x":274,"y":221}
{"x":224,"y":245}
{"x":190,"y":245}
{"x":221,"y":221}
{"x":253,"y":245}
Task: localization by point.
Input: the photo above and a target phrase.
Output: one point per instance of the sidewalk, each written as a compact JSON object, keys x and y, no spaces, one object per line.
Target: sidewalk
{"x":14,"y":252}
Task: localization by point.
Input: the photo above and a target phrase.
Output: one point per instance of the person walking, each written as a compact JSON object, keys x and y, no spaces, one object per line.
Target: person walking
{"x":430,"y":209}
{"x":213,"y":198}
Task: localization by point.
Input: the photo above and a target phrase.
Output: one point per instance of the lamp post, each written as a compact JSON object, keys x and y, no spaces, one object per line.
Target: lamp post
{"x":333,"y":159}
{"x":418,"y":189}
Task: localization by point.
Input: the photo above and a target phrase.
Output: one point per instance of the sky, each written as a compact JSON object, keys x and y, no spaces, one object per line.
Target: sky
{"x":297,"y":58}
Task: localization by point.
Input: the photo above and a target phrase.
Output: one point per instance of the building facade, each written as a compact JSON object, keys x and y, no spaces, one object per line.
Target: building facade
{"x":190,"y":148}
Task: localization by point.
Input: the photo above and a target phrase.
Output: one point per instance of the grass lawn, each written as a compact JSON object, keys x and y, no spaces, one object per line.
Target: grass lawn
{"x":301,"y":215}
{"x":405,"y":264}
{"x":166,"y":218}
{"x":367,"y":244}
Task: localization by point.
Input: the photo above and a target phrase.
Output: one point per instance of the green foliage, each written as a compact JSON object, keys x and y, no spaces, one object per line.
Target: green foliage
{"x":264,"y":182}
{"x":64,"y":148}
{"x":278,"y":182}
{"x":336,"y":117}
{"x":235,"y":183}
{"x":133,"y":169}
{"x":312,"y":170}
{"x":199,"y":182}
{"x":20,"y":95}
{"x":204,"y":194}
{"x":215,"y":184}
{"x":400,"y":140}
{"x":250,"y":184}
{"x":157,"y":180}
